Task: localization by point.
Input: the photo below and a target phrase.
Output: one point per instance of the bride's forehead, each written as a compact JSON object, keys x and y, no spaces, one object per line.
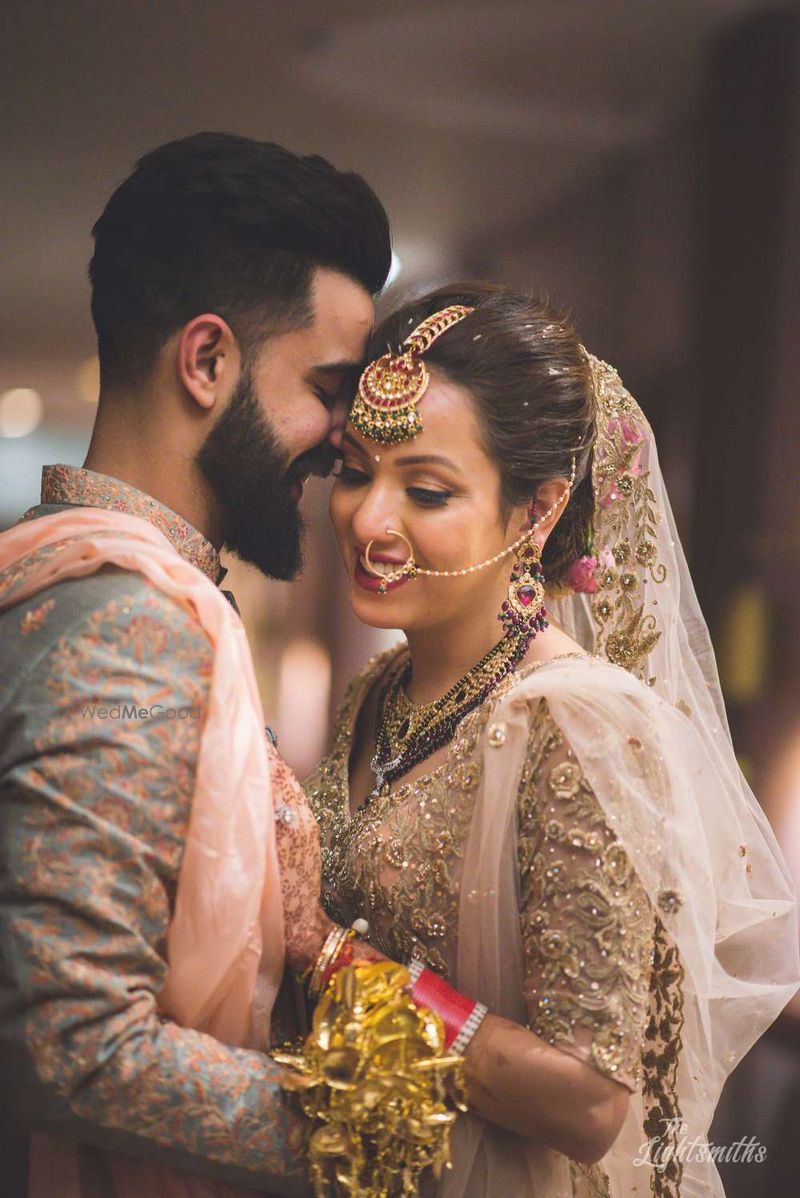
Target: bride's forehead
{"x":448,"y":417}
{"x":449,"y":426}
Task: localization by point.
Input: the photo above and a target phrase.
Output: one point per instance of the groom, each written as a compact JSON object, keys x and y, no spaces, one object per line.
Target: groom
{"x":232,"y":286}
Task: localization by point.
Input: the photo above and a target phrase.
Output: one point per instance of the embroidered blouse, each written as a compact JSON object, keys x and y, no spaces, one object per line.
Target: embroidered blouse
{"x":586,"y":924}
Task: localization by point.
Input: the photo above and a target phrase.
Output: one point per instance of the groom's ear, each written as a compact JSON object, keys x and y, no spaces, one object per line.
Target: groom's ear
{"x":208,"y":358}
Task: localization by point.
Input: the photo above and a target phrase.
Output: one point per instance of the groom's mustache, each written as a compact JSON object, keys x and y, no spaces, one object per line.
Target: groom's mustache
{"x":319,"y":461}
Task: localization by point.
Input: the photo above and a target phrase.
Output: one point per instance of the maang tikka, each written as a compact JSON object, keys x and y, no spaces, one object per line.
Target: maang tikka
{"x":385,"y":409}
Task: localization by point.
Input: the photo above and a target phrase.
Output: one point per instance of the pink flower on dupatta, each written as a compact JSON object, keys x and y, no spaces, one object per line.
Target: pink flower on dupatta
{"x":580,"y":575}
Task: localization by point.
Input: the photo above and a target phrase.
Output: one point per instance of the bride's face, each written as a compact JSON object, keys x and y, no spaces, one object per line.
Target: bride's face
{"x":441,"y":491}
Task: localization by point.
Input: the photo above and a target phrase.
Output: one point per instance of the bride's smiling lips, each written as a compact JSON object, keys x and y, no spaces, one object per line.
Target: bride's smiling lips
{"x":369,"y":582}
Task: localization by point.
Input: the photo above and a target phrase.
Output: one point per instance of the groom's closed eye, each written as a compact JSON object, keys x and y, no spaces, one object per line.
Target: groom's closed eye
{"x":333,"y":382}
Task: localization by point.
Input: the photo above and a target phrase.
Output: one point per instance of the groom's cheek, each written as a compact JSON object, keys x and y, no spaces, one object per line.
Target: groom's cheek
{"x":340,"y":414}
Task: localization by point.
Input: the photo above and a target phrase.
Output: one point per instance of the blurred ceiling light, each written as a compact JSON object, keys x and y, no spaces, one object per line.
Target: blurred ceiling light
{"x":88,"y":379}
{"x":21,"y":411}
{"x":394,"y":270}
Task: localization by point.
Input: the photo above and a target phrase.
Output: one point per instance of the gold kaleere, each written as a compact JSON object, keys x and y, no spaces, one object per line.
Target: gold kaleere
{"x":375,"y":1078}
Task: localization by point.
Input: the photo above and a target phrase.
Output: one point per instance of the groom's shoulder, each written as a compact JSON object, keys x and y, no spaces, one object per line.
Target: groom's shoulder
{"x":111,"y":615}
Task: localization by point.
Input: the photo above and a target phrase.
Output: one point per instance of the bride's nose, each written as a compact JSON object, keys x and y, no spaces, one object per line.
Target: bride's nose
{"x":374,"y":514}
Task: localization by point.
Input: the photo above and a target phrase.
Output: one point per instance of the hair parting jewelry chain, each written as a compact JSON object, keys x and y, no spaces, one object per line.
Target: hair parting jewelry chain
{"x":410,"y":569}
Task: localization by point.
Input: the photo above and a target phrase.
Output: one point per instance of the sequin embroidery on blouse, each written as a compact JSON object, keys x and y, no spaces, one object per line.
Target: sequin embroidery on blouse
{"x":398,"y":862}
{"x":586,"y":922}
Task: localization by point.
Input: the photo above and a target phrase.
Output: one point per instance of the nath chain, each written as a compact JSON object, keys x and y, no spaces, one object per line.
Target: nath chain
{"x":410,"y":568}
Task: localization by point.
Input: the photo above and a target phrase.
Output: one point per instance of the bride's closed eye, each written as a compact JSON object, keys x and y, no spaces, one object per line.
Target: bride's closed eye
{"x":425,"y":496}
{"x":429,"y":498}
{"x":349,"y":474}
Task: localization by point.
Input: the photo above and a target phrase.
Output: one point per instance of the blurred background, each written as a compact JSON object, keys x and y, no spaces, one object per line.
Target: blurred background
{"x":638,"y":160}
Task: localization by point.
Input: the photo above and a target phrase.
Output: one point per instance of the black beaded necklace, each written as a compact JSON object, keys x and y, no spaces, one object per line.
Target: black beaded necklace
{"x":437,"y":723}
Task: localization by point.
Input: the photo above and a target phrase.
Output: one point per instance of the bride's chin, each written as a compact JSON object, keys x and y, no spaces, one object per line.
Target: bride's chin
{"x":373,"y":611}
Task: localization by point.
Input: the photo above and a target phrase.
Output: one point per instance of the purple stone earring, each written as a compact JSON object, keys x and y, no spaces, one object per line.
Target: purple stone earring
{"x":523,"y":610}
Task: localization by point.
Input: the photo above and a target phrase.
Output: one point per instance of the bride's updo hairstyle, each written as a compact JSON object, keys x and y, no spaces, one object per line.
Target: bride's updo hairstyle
{"x":521,"y":363}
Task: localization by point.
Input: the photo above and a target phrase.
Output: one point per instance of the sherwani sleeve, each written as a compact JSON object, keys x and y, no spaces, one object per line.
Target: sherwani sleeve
{"x":586,"y":922}
{"x":94,"y":805}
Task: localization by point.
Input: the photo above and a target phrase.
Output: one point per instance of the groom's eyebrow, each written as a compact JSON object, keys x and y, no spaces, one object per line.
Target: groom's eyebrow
{"x":343,"y":367}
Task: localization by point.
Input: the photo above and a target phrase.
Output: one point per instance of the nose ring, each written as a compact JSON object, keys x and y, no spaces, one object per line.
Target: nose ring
{"x":408,"y":569}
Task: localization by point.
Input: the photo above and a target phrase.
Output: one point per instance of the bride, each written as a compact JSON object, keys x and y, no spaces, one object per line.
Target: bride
{"x":546,"y":811}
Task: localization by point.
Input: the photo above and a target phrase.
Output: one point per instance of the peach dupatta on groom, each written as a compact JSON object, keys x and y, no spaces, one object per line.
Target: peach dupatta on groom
{"x":225,"y":943}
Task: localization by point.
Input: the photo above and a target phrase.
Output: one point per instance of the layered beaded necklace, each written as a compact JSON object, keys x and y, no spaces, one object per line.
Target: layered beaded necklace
{"x":409,"y":733}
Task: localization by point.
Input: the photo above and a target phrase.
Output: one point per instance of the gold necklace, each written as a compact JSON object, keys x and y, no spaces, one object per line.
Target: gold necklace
{"x":409,"y":733}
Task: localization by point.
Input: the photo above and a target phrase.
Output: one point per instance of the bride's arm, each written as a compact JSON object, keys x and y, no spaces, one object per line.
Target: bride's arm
{"x":521,"y":1083}
{"x":586,"y":927}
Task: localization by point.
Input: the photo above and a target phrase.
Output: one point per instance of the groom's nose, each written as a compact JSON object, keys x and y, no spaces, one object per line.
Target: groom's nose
{"x":339,"y":414}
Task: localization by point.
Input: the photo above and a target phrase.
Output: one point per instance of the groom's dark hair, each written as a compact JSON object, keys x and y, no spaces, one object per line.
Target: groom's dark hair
{"x":224,"y":224}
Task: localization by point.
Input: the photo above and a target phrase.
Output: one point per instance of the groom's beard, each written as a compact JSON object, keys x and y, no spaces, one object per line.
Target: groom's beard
{"x":250,"y":477}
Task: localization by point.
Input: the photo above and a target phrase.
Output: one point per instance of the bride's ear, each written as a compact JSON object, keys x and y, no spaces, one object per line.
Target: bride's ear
{"x":548,"y":505}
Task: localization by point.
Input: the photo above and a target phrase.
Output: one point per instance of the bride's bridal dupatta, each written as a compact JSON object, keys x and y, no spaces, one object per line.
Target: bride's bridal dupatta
{"x":225,"y":940}
{"x":644,"y":716}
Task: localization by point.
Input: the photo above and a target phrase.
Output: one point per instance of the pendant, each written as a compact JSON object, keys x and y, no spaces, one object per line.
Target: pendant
{"x":378,"y":771}
{"x":523,"y":610}
{"x":526,"y":594}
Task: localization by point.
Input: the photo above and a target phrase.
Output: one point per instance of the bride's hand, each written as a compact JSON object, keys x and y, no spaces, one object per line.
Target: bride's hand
{"x":297,"y":838}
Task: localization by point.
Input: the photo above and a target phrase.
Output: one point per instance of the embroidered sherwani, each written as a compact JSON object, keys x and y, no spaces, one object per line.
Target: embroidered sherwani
{"x":104,"y":687}
{"x":593,"y":951}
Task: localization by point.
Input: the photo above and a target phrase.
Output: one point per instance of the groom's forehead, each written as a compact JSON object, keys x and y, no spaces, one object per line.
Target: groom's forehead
{"x":343,"y":314}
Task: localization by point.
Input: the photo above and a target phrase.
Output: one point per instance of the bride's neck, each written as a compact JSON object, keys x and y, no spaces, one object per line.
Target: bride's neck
{"x":440,"y":656}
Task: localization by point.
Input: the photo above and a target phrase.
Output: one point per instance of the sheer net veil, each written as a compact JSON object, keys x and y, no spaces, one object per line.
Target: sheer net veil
{"x":644,"y":716}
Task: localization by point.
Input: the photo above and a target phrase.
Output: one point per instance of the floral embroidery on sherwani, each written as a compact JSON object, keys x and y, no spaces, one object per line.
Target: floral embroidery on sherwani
{"x":102,"y":708}
{"x":86,"y":488}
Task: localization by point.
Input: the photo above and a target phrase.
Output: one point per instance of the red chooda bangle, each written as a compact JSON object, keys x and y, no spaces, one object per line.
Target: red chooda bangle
{"x":460,"y":1015}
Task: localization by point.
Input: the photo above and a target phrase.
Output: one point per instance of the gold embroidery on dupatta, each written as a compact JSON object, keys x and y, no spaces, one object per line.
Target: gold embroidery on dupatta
{"x":663,"y":1044}
{"x":625,"y":523}
{"x":587,"y":924}
{"x":589,"y":1181}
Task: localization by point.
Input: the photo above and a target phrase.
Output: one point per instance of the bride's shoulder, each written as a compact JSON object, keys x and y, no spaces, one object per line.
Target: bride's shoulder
{"x":358,"y":696}
{"x":377,"y":665}
{"x":364,"y":680}
{"x":592,"y":682}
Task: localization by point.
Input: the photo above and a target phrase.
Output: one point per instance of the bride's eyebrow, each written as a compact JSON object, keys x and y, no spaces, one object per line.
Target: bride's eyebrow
{"x":351,"y":441}
{"x":427,"y":459}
